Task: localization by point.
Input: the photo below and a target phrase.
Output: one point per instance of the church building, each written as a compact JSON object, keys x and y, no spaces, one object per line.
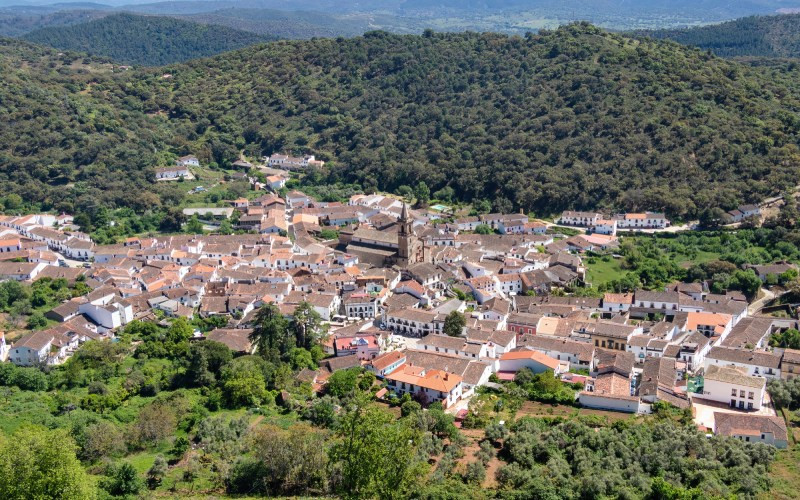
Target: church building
{"x":398,"y":246}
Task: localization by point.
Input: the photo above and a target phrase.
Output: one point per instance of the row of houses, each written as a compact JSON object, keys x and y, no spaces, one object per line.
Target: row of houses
{"x":602,"y":224}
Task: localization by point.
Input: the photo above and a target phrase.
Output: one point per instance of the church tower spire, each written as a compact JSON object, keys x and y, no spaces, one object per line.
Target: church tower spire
{"x":405,"y":237}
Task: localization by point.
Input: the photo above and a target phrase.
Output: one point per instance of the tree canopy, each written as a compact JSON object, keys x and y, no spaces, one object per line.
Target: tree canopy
{"x":636,"y":123}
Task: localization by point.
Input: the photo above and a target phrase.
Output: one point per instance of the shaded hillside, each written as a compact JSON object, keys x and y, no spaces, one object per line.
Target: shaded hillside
{"x":575,"y":118}
{"x":146,"y":40}
{"x":761,"y":36}
{"x":18,"y":23}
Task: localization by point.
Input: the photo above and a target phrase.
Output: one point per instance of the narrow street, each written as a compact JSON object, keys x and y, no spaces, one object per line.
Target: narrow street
{"x":755,"y":307}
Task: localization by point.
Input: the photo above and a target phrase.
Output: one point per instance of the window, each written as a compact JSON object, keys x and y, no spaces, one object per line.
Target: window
{"x":733,"y":392}
{"x":749,"y":395}
{"x":741,"y":394}
{"x":749,"y":406}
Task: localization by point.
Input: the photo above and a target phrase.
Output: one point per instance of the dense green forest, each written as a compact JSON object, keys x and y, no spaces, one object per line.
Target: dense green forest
{"x":757,"y":36}
{"x":573,"y":118}
{"x":146,"y":40}
{"x":16,"y":23}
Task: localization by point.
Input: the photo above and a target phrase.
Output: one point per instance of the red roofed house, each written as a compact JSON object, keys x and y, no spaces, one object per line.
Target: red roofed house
{"x":536,"y":361}
{"x":386,"y":363}
{"x":429,"y":385}
{"x":365,"y":347}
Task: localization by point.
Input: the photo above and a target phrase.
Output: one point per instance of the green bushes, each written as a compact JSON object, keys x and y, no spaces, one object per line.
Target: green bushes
{"x":545,"y":387}
{"x":572,"y":460}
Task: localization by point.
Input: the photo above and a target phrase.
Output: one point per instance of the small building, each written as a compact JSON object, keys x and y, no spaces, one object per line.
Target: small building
{"x":276,"y":182}
{"x":790,"y":364}
{"x":187,"y":161}
{"x":535,"y":361}
{"x":604,"y":226}
{"x":237,"y":339}
{"x":752,"y":428}
{"x":734,"y":387}
{"x":386,"y":363}
{"x":172,"y":173}
{"x":580,"y":219}
{"x":31,"y":349}
{"x":428,"y":385}
{"x":646,"y":220}
{"x":365,"y":347}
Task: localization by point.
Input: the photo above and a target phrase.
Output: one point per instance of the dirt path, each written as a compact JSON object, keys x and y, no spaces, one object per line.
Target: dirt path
{"x":759,"y":304}
{"x":255,"y":422}
{"x":470,"y":455}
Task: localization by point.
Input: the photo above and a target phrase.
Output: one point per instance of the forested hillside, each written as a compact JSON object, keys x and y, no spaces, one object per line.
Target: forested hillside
{"x":575,"y":118}
{"x":18,"y":23}
{"x":147,"y":40}
{"x":762,"y":36}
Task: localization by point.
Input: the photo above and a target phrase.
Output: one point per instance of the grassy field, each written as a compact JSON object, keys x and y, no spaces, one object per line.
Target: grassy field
{"x":536,"y":409}
{"x":785,"y":475}
{"x":601,"y":272}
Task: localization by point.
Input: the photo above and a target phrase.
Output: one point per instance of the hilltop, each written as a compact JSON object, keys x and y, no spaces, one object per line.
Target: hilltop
{"x":760,"y":36}
{"x":148,"y":40}
{"x":573,"y":118}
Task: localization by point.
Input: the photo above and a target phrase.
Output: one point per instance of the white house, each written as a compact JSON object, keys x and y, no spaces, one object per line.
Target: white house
{"x":765,"y":429}
{"x":365,"y":347}
{"x":106,"y":309}
{"x":582,"y":219}
{"x":187,"y":161}
{"x":579,"y":355}
{"x":414,"y":322}
{"x":169,"y":173}
{"x":10,"y":245}
{"x":276,"y":182}
{"x":734,"y":387}
{"x":31,"y":349}
{"x":21,"y":271}
{"x":535,"y":361}
{"x":605,"y":226}
{"x":79,"y":249}
{"x":455,"y":346}
{"x":646,"y":220}
{"x":291,"y":162}
{"x":428,"y":384}
{"x":617,"y":302}
{"x":757,"y":363}
{"x":386,"y":363}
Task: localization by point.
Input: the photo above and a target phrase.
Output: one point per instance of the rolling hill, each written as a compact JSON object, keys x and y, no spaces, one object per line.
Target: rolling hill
{"x":755,"y":36}
{"x":146,"y":40}
{"x":573,"y":118}
{"x":14,"y":23}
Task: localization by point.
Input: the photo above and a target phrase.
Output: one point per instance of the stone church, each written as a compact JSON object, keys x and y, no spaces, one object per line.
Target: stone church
{"x":396,"y":246}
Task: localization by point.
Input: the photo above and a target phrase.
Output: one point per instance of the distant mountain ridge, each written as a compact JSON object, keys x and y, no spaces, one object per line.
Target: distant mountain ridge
{"x":346,"y":17}
{"x":146,"y":40}
{"x":756,"y":36}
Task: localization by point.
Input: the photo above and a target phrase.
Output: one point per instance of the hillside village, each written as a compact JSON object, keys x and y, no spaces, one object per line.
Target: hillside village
{"x":387,"y":286}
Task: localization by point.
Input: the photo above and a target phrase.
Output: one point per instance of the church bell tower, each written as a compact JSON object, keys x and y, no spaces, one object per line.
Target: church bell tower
{"x":405,"y":238}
